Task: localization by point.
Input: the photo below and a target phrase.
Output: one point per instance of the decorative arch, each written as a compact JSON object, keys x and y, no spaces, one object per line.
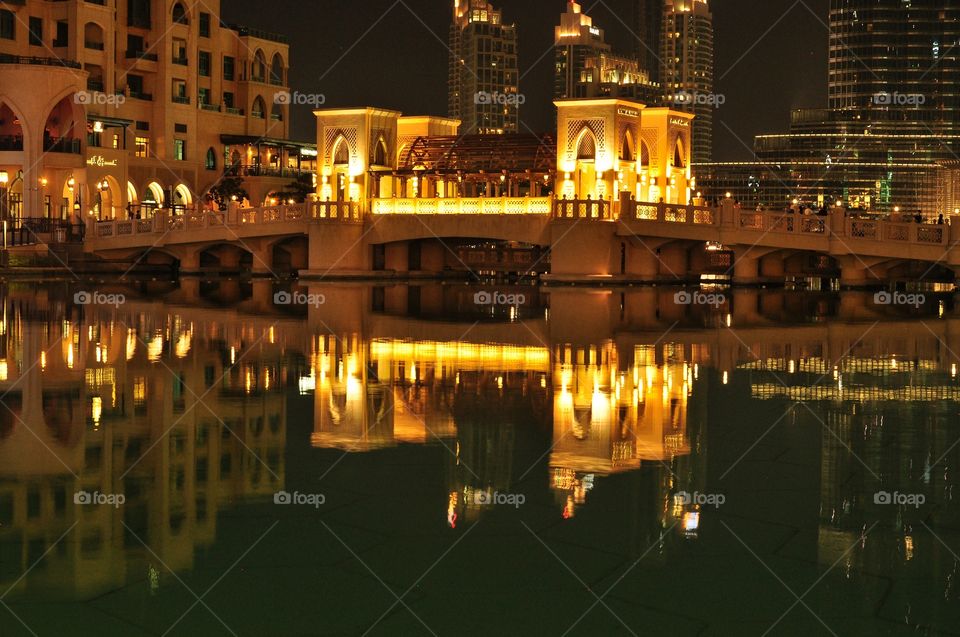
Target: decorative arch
{"x":182,"y":196}
{"x":153,"y":196}
{"x":627,"y":146}
{"x":586,"y":145}
{"x":179,"y":13}
{"x":679,"y":156}
{"x":644,"y":156}
{"x":380,"y":153}
{"x":259,"y":108}
{"x":258,"y":70}
{"x":340,"y":151}
{"x":276,"y":70}
{"x":132,"y":197}
{"x":65,"y":125}
{"x":11,"y":128}
{"x":210,"y":162}
{"x":93,"y":36}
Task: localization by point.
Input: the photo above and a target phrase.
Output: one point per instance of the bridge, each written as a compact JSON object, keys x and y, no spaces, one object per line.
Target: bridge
{"x":586,"y":240}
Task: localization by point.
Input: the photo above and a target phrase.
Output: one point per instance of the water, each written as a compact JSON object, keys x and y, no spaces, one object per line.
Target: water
{"x":195,"y":459}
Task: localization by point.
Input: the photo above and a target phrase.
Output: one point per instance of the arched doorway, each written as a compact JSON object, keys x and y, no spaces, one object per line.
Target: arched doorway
{"x":586,"y":164}
{"x":153,"y":197}
{"x":182,"y":199}
{"x":341,"y":167}
{"x":65,"y":125}
{"x":108,"y":201}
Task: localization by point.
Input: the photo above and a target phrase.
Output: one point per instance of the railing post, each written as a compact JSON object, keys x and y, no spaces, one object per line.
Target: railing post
{"x":728,"y":214}
{"x":838,"y":222}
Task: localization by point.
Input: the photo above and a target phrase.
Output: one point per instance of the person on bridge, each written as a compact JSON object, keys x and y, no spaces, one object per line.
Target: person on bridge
{"x":940,"y":219}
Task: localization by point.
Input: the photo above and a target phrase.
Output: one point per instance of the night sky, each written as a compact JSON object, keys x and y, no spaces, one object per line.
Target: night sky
{"x":771,"y":56}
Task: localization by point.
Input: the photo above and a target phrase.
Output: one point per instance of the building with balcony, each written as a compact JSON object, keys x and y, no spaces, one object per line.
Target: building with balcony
{"x":482,"y":87}
{"x":585,"y":65}
{"x":115,"y":108}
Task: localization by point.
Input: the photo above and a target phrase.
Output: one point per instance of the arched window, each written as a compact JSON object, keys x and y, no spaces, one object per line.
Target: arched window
{"x":93,"y":36}
{"x":380,"y":153}
{"x":626,"y":147}
{"x":276,"y":113}
{"x":259,"y":69}
{"x":180,"y":14}
{"x":678,"y":155}
{"x":341,"y":152}
{"x":276,"y":70}
{"x":587,"y":147}
{"x":259,"y":108}
{"x":211,"y":160}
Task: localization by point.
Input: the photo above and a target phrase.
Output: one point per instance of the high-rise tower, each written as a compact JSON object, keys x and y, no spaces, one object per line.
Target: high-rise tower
{"x":648,"y":22}
{"x":686,"y":70}
{"x":482,"y":86}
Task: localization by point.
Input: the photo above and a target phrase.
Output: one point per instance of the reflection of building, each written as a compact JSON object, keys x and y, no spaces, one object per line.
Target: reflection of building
{"x":585,"y":66}
{"x":126,"y":106}
{"x":482,"y":87}
{"x":113,"y":408}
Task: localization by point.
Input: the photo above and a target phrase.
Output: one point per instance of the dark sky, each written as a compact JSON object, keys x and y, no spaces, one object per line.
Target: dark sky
{"x":771,"y":56}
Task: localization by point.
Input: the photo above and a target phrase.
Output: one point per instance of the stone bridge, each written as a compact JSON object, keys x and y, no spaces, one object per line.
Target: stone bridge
{"x":570,"y":240}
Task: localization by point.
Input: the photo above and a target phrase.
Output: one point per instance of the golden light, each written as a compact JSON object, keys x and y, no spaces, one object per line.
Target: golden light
{"x":4,"y":370}
{"x":43,"y":181}
{"x":4,"y":177}
{"x":896,"y":208}
{"x":98,"y":127}
{"x":729,"y":195}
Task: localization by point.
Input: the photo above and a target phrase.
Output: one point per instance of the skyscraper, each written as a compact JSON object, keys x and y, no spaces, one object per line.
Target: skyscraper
{"x":482,"y":85}
{"x":648,"y":21}
{"x":585,"y":65}
{"x":686,"y":70}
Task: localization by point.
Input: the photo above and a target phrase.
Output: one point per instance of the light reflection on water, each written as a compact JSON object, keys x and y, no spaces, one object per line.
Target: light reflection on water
{"x":200,"y":399}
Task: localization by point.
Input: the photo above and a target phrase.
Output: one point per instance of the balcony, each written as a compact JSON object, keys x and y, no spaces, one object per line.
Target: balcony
{"x":256,"y":33}
{"x":210,"y":107}
{"x":96,"y":46}
{"x":180,"y":59}
{"x":139,"y":95}
{"x":11,"y":142}
{"x":95,"y":84}
{"x":180,"y":99}
{"x":141,"y":55}
{"x":61,"y":145}
{"x":38,"y":61}
{"x":230,"y":110}
{"x":255,"y":170}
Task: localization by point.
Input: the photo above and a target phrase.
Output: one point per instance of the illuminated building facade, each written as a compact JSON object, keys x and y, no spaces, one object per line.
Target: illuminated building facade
{"x":889,"y":137}
{"x":113,"y":109}
{"x":586,"y":67}
{"x":482,"y":86}
{"x":686,"y":71}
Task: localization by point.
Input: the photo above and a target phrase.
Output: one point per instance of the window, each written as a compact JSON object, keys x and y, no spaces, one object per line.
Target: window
{"x":228,"y":100}
{"x":63,"y":34}
{"x":180,"y":92}
{"x":204,"y":25}
{"x":135,"y":84}
{"x":36,"y":31}
{"x":179,"y":150}
{"x":7,"y":22}
{"x":142,"y":125}
{"x":229,"y":64}
{"x":211,"y":161}
{"x":179,"y":51}
{"x":138,"y":13}
{"x":142,"y":147}
{"x":180,"y":14}
{"x":203,"y":63}
{"x":203,"y":96}
{"x":179,"y":128}
{"x":258,"y":108}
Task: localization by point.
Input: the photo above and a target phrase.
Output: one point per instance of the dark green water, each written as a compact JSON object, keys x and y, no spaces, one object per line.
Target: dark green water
{"x":195,"y":459}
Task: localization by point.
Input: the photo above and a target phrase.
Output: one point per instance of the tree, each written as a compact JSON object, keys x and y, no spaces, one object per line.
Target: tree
{"x":228,"y":189}
{"x":297,"y":190}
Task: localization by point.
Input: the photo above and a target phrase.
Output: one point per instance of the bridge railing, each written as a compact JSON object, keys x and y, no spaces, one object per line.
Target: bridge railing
{"x":897,"y":231}
{"x":672,"y":213}
{"x":582,"y":209}
{"x":336,"y":210}
{"x":462,"y":206}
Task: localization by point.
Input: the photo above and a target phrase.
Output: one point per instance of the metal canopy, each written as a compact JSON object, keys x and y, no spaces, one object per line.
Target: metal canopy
{"x":481,"y":153}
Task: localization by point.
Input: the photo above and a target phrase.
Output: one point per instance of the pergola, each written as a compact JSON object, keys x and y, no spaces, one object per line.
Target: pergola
{"x":475,"y":165}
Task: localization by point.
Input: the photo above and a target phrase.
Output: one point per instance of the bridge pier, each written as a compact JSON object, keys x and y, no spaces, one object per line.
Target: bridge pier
{"x":337,"y":249}
{"x":583,"y":250}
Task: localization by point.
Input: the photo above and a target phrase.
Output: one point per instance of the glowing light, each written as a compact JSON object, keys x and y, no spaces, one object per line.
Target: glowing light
{"x":726,"y":377}
{"x":4,"y":370}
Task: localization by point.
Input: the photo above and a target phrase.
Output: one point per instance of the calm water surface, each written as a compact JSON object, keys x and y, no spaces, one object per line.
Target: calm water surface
{"x":197,"y":458}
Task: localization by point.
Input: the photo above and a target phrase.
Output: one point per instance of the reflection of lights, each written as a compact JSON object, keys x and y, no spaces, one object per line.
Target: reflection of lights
{"x":70,"y":357}
{"x":791,"y":366}
{"x":452,"y":510}
{"x":4,"y":370}
{"x":131,"y":344}
{"x":893,"y":363}
{"x":43,"y":360}
{"x":233,"y":355}
{"x":155,"y":348}
{"x":691,"y":521}
{"x":726,"y":377}
{"x":182,"y":347}
{"x":953,"y":370}
{"x":307,"y":383}
{"x":96,"y":410}
{"x":908,"y":547}
{"x":499,"y":382}
{"x":729,"y":320}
